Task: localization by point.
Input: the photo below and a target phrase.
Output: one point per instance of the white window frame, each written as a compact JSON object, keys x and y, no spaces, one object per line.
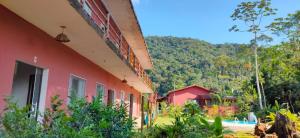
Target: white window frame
{"x":122,"y":96}
{"x":70,"y":82}
{"x":103,"y":96}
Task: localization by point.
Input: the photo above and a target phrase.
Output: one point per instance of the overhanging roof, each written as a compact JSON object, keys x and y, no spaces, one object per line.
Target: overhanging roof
{"x":123,"y":13}
{"x":199,"y":87}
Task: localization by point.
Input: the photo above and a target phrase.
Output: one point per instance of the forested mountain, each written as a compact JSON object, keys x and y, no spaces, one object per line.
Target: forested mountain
{"x":227,"y":69}
{"x":180,"y":62}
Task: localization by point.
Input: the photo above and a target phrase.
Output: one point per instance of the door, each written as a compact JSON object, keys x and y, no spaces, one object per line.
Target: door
{"x":130,"y":105}
{"x":27,"y":86}
{"x":110,"y":97}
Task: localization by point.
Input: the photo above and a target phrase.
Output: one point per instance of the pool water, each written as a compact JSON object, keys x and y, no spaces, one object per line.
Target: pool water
{"x":239,"y":122}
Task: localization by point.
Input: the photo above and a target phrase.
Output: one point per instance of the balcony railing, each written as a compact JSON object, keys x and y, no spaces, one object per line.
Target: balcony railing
{"x":100,"y":16}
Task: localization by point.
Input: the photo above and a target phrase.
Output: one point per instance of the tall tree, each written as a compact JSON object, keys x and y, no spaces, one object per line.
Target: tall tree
{"x":251,"y":14}
{"x":289,"y":26}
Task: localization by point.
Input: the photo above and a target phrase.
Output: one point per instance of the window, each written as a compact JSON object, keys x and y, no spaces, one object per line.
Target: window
{"x":76,"y":86}
{"x":122,"y":97}
{"x":100,"y":91}
{"x":87,"y":8}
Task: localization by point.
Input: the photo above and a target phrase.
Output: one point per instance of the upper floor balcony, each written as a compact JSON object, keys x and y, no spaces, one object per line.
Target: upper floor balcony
{"x":94,"y":33}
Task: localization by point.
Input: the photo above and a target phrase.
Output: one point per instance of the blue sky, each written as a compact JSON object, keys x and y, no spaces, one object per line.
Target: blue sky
{"x":207,"y":20}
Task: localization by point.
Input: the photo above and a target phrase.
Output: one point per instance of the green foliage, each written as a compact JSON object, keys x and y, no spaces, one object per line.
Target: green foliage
{"x":180,"y":62}
{"x":82,"y":119}
{"x":20,"y":122}
{"x":164,"y":108}
{"x":188,"y":124}
{"x":288,"y":114}
{"x":174,"y":110}
{"x":191,"y":61}
{"x":191,"y":108}
{"x":288,"y":26}
{"x":280,"y":70}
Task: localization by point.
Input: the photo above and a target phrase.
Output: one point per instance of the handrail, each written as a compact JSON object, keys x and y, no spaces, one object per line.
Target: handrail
{"x":91,"y":8}
{"x":114,"y":32}
{"x":115,"y":35}
{"x":103,"y":14}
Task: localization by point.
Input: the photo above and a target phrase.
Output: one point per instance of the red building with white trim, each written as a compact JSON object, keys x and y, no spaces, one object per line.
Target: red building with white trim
{"x":205,"y":99}
{"x":181,"y":96}
{"x":106,"y":53}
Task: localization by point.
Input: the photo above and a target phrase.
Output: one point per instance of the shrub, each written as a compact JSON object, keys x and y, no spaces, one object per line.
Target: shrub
{"x":189,"y":123}
{"x":174,"y":110}
{"x":164,"y":108}
{"x":81,"y":119}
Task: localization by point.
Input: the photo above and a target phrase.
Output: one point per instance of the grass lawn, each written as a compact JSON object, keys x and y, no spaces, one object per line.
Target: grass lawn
{"x":166,"y":120}
{"x":243,"y":134}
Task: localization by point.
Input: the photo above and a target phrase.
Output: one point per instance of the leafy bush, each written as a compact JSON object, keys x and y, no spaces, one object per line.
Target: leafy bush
{"x":188,"y":124}
{"x":174,"y":110}
{"x":164,"y":108}
{"x":81,"y":119}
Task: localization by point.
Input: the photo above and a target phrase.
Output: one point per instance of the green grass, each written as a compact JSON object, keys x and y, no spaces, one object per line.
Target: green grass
{"x":163,"y":120}
{"x":167,"y":120}
{"x":243,"y":134}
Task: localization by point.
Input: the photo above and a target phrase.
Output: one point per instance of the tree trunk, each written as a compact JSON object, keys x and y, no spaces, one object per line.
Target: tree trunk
{"x":263,"y":95}
{"x":257,"y":77}
{"x":282,"y":126}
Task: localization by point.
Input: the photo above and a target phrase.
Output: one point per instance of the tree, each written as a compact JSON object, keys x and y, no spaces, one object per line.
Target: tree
{"x":289,"y":26}
{"x":251,"y":14}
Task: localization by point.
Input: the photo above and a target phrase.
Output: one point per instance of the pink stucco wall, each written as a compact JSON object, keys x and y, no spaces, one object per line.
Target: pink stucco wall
{"x":179,"y":97}
{"x":21,"y":41}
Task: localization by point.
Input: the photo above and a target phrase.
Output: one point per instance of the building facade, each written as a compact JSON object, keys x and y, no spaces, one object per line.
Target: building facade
{"x":191,"y":93}
{"x":204,"y":98}
{"x":106,"y":53}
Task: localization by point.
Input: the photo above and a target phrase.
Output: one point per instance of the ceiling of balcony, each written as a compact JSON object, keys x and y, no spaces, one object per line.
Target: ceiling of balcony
{"x":49,"y":15}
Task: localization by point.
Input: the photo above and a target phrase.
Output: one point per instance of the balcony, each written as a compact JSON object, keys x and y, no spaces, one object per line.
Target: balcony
{"x":96,"y":14}
{"x":94,"y":34}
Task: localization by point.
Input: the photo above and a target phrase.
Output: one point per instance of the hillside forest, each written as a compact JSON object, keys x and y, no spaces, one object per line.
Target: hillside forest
{"x":227,"y":69}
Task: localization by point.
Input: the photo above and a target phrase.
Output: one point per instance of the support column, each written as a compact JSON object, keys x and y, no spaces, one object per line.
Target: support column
{"x":142,"y":114}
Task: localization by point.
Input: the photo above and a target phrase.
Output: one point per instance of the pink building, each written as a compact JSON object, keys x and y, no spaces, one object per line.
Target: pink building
{"x":190,"y":93}
{"x":106,"y":53}
{"x":204,"y":98}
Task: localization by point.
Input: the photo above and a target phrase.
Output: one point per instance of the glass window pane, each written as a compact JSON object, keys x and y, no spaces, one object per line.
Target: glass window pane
{"x":100,"y":90}
{"x":122,"y":97}
{"x":77,"y":86}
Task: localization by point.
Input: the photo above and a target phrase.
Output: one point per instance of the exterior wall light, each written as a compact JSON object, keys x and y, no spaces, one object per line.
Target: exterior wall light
{"x":62,"y":37}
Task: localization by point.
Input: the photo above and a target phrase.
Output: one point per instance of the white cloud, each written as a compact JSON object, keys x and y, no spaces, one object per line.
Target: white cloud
{"x":135,"y":2}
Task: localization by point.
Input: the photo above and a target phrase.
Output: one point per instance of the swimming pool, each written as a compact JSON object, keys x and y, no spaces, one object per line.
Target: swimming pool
{"x":238,"y":122}
{"x":238,"y":125}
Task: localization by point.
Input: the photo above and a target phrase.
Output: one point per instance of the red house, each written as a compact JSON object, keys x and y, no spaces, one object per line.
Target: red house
{"x":99,"y":50}
{"x":190,"y":93}
{"x":203,"y":97}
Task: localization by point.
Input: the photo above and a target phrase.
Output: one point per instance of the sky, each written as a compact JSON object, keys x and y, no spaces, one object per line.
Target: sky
{"x":207,"y":20}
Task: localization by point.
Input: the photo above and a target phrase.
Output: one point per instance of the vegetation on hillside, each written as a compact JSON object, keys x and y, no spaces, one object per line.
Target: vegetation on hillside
{"x":227,"y":68}
{"x":180,"y":62}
